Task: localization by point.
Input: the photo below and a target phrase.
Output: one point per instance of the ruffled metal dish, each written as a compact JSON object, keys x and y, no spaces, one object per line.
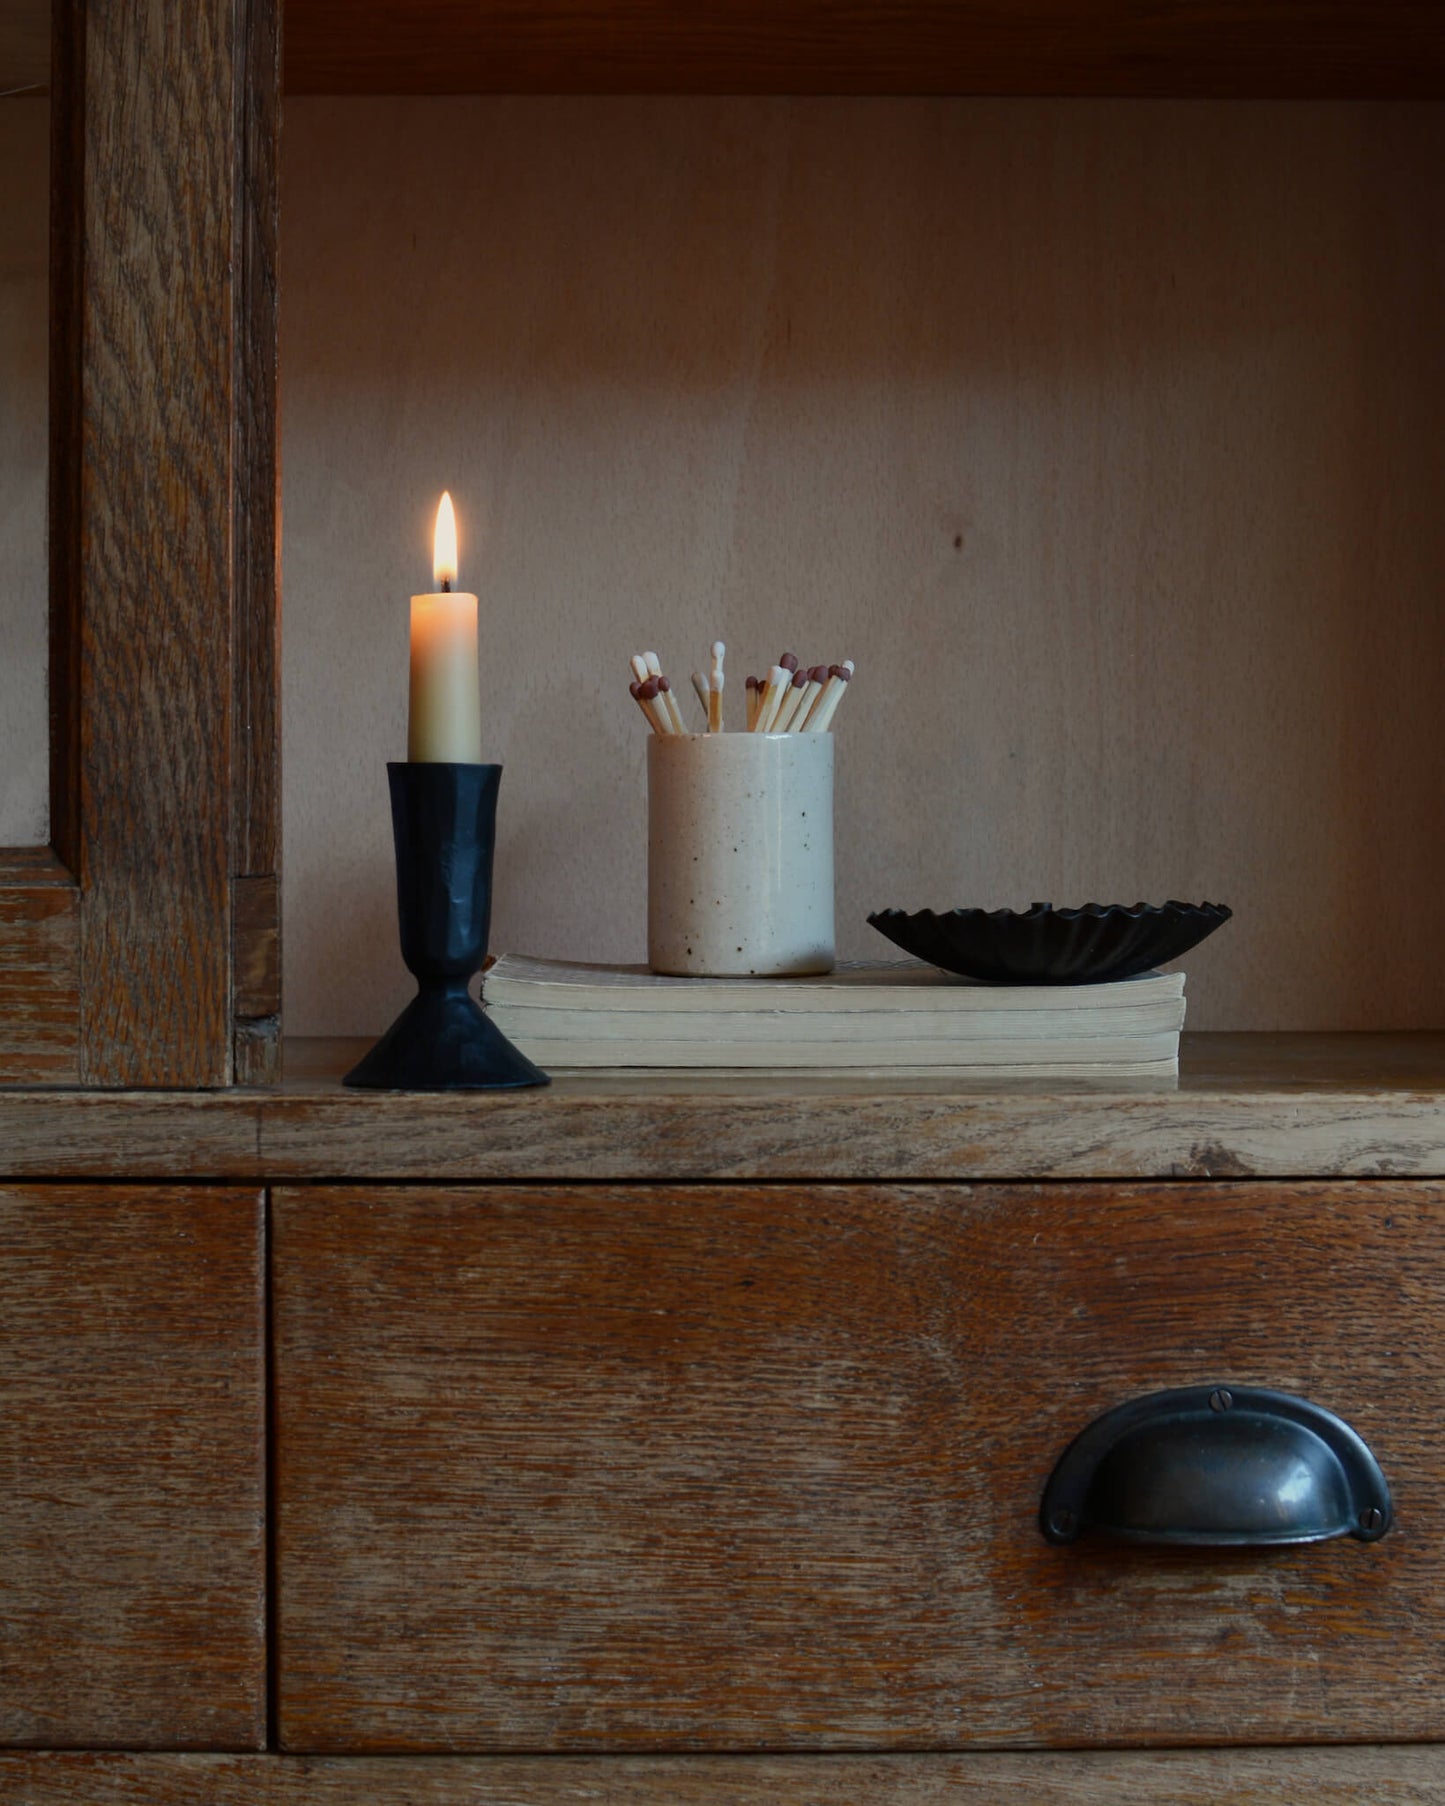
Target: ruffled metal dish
{"x":1042,"y":945}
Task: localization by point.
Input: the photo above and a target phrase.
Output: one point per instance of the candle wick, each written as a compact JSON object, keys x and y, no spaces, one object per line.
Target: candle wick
{"x":446,"y":586}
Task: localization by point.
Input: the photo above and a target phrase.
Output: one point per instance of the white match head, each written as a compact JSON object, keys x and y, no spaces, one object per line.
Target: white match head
{"x":640,"y":668}
{"x":718,"y":650}
{"x":849,"y":666}
{"x":654,"y":664}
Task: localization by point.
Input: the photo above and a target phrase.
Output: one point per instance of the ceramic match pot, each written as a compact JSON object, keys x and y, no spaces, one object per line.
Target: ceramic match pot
{"x":443,"y":820}
{"x":740,"y":854}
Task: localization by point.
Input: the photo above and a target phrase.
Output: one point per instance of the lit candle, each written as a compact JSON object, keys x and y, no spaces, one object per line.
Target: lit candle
{"x":445,"y":723}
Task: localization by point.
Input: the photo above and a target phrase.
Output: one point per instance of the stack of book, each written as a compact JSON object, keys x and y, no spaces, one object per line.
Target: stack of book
{"x":898,"y":1014}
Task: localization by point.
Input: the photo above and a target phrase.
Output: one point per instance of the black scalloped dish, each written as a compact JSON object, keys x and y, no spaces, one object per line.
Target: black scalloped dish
{"x":1046,"y":946}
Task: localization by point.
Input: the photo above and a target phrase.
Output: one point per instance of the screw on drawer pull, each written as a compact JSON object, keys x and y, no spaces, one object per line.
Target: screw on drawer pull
{"x":1217,"y":1466}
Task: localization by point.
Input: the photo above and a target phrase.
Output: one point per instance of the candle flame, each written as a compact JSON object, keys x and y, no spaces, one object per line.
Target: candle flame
{"x":444,"y":544}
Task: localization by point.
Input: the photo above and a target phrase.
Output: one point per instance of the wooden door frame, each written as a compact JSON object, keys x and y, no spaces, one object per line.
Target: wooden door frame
{"x":141,"y":948}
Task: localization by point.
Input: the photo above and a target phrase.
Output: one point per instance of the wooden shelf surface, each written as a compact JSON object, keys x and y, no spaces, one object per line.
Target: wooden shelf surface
{"x":1288,"y":48}
{"x":1383,"y":1773}
{"x":1272,"y":1106}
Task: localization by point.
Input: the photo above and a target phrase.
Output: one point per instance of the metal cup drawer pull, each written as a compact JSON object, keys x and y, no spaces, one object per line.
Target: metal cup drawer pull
{"x":1217,"y":1466}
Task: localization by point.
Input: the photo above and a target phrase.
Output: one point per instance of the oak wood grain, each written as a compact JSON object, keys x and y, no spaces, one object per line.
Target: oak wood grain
{"x":1262,"y":1105}
{"x":1398,"y":1776}
{"x":40,"y":985}
{"x":256,"y":948}
{"x":759,"y":1468}
{"x":256,"y":555}
{"x":256,"y":1048}
{"x":157,"y":394}
{"x":1218,"y":47}
{"x":33,"y":868}
{"x":164,"y":541}
{"x":131,"y":1493}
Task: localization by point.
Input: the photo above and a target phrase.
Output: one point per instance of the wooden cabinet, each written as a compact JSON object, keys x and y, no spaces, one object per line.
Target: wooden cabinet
{"x":664,"y":1491}
{"x":759,"y":1468}
{"x":132,"y":1493}
{"x":691,"y":1433}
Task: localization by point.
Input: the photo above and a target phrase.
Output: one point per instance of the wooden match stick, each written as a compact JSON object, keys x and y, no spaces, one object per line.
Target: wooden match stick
{"x":700,"y":689}
{"x":647,"y":698}
{"x":715,"y":689}
{"x":754,"y":695}
{"x":792,"y":696}
{"x":772,"y":695}
{"x":839,"y":676}
{"x":669,"y":701}
{"x":787,"y":661}
{"x":634,"y":689}
{"x":817,"y":677}
{"x":814,"y":723}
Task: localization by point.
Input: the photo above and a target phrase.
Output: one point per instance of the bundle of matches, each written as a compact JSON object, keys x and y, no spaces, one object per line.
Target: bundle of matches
{"x":653,"y":695}
{"x":790,"y":700}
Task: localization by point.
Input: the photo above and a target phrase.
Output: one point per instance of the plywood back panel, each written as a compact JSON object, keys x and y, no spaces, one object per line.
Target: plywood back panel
{"x":1357,"y":48}
{"x":1103,"y":435}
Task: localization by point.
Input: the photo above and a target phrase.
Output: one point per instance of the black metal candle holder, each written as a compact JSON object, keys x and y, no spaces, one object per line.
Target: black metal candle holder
{"x":443,"y":820}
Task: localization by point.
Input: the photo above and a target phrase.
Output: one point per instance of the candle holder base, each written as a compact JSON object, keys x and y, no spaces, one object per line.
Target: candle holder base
{"x":443,"y":820}
{"x":444,"y":1041}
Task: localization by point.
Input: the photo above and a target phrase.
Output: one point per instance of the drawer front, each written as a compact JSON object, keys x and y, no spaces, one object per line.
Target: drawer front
{"x":730,"y":1468}
{"x":132,"y":1557}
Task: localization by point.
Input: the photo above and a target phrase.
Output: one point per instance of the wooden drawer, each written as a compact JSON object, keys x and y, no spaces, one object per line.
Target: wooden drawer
{"x":732,"y":1468}
{"x":132,"y":1562}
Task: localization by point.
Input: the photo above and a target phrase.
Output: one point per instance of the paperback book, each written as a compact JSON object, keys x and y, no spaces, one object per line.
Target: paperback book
{"x":898,"y":1013}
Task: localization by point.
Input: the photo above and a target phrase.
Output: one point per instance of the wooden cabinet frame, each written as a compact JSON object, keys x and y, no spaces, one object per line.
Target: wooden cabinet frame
{"x":140,"y":948}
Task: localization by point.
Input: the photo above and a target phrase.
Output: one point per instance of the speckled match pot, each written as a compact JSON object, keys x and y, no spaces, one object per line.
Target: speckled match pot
{"x":740,"y":854}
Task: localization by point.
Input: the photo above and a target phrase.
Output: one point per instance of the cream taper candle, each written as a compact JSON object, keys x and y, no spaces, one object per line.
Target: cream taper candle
{"x":444,"y":725}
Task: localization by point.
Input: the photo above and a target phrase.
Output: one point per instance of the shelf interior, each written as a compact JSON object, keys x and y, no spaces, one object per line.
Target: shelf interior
{"x":1102,"y":435}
